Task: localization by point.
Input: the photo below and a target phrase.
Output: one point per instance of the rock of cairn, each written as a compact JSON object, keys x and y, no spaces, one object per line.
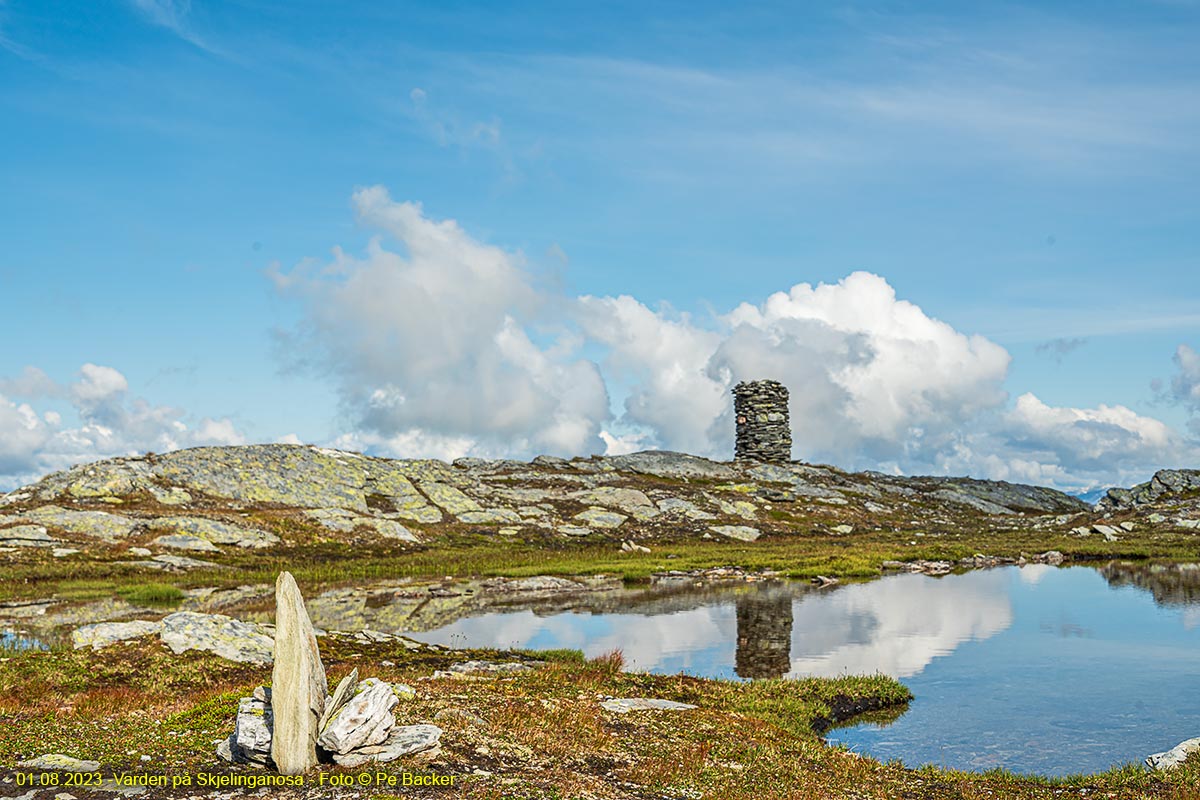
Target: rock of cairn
{"x":763,"y":430}
{"x":295,"y":724}
{"x":298,"y":686}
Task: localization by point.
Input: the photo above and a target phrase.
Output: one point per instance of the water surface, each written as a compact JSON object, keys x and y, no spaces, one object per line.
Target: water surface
{"x":1035,"y":669}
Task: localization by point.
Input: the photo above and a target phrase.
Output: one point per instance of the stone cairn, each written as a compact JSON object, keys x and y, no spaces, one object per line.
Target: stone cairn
{"x":295,"y":724}
{"x":763,"y":430}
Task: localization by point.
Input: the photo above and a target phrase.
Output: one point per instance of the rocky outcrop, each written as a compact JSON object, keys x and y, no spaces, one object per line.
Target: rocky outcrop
{"x":1166,"y":483}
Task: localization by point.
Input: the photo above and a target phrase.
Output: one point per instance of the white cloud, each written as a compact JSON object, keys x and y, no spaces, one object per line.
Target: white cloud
{"x":434,"y":350}
{"x":869,"y":374}
{"x":175,"y":16}
{"x":108,"y":423}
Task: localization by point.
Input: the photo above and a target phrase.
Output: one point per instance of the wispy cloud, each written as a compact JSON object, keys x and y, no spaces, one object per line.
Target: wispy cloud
{"x":1060,"y":348}
{"x":174,"y":15}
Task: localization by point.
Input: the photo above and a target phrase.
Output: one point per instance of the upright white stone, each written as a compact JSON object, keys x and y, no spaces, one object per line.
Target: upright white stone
{"x":298,"y":685}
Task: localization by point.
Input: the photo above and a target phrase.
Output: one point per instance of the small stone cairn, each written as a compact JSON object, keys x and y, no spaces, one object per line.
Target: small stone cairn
{"x":295,"y":724}
{"x":763,"y":430}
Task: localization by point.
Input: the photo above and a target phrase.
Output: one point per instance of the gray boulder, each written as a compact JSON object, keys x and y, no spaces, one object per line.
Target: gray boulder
{"x":1175,"y":756}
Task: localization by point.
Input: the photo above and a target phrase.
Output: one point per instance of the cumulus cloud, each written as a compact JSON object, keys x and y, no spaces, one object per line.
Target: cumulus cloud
{"x":870,"y":375}
{"x":442,"y":348}
{"x":108,"y":422}
{"x":435,"y":350}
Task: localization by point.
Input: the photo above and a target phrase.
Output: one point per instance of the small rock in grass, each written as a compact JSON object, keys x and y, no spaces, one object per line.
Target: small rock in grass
{"x":57,"y":761}
{"x":623,"y":705}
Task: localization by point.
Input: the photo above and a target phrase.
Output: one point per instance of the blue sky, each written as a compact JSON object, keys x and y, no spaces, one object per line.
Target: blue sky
{"x":177,"y":175}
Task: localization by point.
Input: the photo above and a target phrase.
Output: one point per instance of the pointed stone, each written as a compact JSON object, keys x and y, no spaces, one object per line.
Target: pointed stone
{"x":344,"y":691}
{"x":298,"y":686}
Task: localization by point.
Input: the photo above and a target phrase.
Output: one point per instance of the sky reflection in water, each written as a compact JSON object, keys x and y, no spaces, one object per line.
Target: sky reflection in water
{"x":1036,"y":669}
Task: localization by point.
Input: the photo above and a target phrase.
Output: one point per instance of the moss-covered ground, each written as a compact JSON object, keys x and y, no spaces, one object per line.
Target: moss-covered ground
{"x":541,"y":734}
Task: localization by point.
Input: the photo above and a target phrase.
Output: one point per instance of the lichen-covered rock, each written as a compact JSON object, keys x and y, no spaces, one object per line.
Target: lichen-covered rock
{"x":103,"y":634}
{"x":98,"y":524}
{"x":170,"y":563}
{"x":215,"y":531}
{"x":343,"y":521}
{"x":678,"y":507}
{"x":244,"y":642}
{"x":290,"y":475}
{"x":484,"y":668}
{"x":170,"y":496}
{"x":738,"y":508}
{"x":599,"y":518}
{"x":489,"y":516}
{"x":26,"y":536}
{"x":739,"y":532}
{"x":667,"y":464}
{"x":402,"y":740}
{"x":631,"y":501}
{"x":185,"y":542}
{"x":365,"y":719}
{"x":448,"y":498}
{"x":298,"y":685}
{"x":398,"y":492}
{"x":59,"y":762}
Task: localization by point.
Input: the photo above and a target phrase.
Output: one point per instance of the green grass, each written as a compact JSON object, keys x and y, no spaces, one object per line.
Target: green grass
{"x":151,"y":594}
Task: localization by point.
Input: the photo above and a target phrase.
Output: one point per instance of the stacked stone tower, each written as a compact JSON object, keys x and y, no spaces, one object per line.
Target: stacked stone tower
{"x":763,"y":430}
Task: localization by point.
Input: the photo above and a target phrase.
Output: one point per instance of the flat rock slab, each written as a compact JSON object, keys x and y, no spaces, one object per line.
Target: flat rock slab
{"x":57,"y":761}
{"x":183,"y":541}
{"x":676,"y":506}
{"x":215,"y":531}
{"x":599,"y":518}
{"x":169,"y":563}
{"x":490,"y":516}
{"x":244,"y":642}
{"x":99,"y":524}
{"x":403,"y":740}
{"x":1175,"y":756}
{"x":103,"y":634}
{"x":623,"y":705}
{"x":450,"y":499}
{"x":480,"y":669}
{"x":364,"y":720}
{"x":742,"y":533}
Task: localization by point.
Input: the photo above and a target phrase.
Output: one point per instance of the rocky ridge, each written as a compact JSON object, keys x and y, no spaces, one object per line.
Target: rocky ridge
{"x":215,"y":499}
